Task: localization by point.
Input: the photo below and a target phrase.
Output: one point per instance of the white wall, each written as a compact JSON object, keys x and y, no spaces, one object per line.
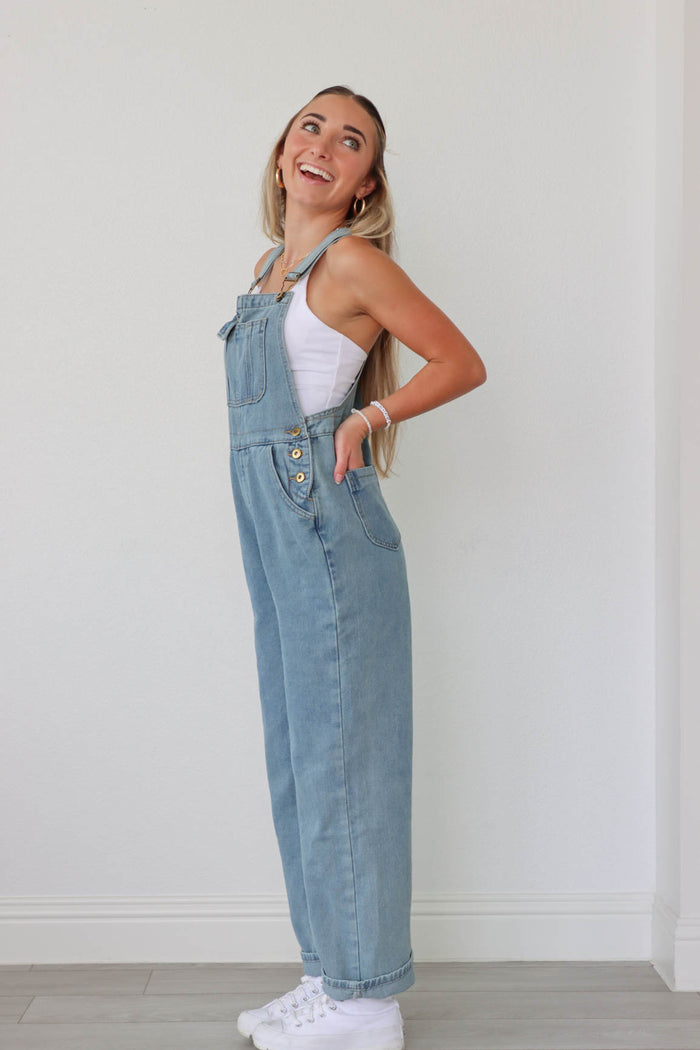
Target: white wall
{"x":669,"y":238}
{"x":521,"y":158}
{"x":676,"y":921}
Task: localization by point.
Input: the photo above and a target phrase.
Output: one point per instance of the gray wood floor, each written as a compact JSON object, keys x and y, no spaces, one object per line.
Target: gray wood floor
{"x":452,"y":1006}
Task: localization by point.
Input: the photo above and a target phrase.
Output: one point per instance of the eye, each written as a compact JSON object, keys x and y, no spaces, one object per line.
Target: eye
{"x":348,"y":138}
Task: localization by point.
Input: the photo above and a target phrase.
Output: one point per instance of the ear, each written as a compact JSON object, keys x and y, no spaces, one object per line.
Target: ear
{"x":367,"y":186}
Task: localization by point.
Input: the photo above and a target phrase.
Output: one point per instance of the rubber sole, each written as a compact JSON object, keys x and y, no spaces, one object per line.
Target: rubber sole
{"x":379,"y":1039}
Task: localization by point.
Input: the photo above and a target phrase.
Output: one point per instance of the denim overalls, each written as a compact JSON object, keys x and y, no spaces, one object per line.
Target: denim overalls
{"x":325,"y":568}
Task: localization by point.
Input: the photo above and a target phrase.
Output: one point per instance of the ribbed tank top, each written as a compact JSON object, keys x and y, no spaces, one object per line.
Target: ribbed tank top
{"x":324,"y":362}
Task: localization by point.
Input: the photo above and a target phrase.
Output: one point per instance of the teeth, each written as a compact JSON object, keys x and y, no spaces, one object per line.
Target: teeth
{"x":316,"y":171}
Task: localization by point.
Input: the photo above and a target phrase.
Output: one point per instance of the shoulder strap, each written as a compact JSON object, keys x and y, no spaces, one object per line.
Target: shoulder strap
{"x":305,"y":264}
{"x":308,"y":261}
{"x":268,"y":266}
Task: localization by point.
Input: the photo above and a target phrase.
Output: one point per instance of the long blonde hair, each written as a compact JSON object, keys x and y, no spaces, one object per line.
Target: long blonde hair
{"x":380,"y":372}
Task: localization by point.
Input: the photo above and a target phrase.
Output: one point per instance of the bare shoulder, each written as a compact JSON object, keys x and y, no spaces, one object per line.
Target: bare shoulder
{"x":368,"y":275}
{"x":350,"y":257}
{"x":261,"y":261}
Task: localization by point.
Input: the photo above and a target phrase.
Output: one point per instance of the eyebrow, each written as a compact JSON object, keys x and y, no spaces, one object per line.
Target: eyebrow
{"x":346,"y":127}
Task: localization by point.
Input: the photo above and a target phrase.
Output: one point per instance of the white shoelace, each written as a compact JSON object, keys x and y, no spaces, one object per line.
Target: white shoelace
{"x":292,"y":1000}
{"x":316,"y":1008}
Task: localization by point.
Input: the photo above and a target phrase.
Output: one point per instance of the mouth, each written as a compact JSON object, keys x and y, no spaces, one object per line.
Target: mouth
{"x":313,"y":173}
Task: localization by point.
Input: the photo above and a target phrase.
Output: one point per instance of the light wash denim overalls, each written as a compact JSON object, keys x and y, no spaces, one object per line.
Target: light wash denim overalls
{"x":325,"y":567}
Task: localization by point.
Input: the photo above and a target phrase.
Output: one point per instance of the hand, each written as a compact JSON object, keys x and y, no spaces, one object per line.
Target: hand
{"x":348,"y":440}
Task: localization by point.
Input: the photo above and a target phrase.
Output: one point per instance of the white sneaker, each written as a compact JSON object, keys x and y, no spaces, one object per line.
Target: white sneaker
{"x":324,"y":1025}
{"x":275,"y":1011}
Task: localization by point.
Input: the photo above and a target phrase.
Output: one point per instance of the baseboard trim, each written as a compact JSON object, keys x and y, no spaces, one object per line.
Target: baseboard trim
{"x":676,"y":947}
{"x":256,"y":928}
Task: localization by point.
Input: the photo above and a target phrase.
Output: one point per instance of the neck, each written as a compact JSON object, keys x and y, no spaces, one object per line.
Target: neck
{"x":303,"y":230}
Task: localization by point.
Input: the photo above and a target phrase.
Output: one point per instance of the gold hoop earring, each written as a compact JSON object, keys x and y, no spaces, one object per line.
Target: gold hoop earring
{"x":278,"y":178}
{"x":355,"y":212}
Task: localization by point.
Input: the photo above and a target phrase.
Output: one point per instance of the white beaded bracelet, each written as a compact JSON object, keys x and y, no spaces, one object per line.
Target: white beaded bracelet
{"x":383,"y":411}
{"x":369,"y":425}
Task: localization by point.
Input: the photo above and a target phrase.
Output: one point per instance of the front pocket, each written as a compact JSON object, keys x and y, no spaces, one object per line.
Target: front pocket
{"x":245,"y":362}
{"x":371,"y":509}
{"x":280,"y":479}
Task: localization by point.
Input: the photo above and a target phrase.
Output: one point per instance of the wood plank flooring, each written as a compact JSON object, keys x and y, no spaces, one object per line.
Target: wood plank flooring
{"x":452,"y":1006}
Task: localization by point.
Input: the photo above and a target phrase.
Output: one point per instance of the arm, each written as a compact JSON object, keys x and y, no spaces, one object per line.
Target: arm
{"x":380,"y":288}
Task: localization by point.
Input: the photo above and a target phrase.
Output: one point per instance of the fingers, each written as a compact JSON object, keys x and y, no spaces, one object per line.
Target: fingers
{"x":349,"y":460}
{"x":348,"y":448}
{"x":341,"y":466}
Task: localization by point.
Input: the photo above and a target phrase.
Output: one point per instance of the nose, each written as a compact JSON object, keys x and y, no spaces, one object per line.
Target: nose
{"x":321,"y":146}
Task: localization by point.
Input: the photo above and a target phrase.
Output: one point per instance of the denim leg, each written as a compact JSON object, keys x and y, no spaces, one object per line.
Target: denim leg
{"x":343,"y":625}
{"x":275,"y":725}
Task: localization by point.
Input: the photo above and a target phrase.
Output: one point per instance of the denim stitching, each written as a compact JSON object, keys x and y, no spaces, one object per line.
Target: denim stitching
{"x":372,"y":982}
{"x":342,"y":741}
{"x":357,"y":501}
{"x":305,"y":514}
{"x":257,"y":333}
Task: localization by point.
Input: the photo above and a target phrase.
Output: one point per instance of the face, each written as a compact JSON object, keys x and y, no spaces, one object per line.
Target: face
{"x":337,"y":135}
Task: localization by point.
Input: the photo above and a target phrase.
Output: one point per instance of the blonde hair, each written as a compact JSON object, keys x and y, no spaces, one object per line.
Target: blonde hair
{"x":380,"y":372}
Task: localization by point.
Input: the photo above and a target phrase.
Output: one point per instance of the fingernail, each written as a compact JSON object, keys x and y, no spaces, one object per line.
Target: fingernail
{"x":338,"y":478}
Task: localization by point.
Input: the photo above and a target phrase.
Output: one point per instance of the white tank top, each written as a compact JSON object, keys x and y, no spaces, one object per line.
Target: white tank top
{"x":324,"y":362}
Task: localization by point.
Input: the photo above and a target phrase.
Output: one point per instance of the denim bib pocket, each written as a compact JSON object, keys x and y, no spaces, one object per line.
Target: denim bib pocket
{"x":245,"y":361}
{"x":371,"y":508}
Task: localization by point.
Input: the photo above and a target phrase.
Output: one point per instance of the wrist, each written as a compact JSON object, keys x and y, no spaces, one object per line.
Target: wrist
{"x":363,"y":423}
{"x":376,"y":417}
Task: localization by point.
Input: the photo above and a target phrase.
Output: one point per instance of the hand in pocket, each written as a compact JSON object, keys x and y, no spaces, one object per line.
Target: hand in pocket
{"x":348,"y":440}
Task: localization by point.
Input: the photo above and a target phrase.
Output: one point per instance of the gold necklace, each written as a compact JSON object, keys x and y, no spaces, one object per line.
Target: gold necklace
{"x":285,"y":269}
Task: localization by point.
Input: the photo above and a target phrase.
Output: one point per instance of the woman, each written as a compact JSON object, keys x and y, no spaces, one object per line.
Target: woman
{"x":309,"y":354}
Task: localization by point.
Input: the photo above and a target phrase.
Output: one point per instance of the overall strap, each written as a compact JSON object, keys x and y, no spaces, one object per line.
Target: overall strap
{"x":305,"y":264}
{"x":308,"y":261}
{"x":267,"y":267}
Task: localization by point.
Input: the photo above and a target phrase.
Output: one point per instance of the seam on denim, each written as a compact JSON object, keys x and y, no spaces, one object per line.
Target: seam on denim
{"x":278,"y":436}
{"x":342,"y":740}
{"x":363,"y":472}
{"x":269,"y":439}
{"x":317,"y":419}
{"x":311,"y":432}
{"x":357,"y":501}
{"x":373,"y":982}
{"x":324,"y":412}
{"x":272,"y":434}
{"x":283,"y":353}
{"x":304,"y":514}
{"x":261,"y":322}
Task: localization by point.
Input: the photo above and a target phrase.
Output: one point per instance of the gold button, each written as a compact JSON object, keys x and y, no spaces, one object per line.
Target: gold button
{"x":300,"y":476}
{"x":296,"y":453}
{"x":295,"y":431}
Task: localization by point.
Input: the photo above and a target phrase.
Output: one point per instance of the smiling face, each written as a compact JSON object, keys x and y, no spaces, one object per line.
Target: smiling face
{"x":335,"y":136}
